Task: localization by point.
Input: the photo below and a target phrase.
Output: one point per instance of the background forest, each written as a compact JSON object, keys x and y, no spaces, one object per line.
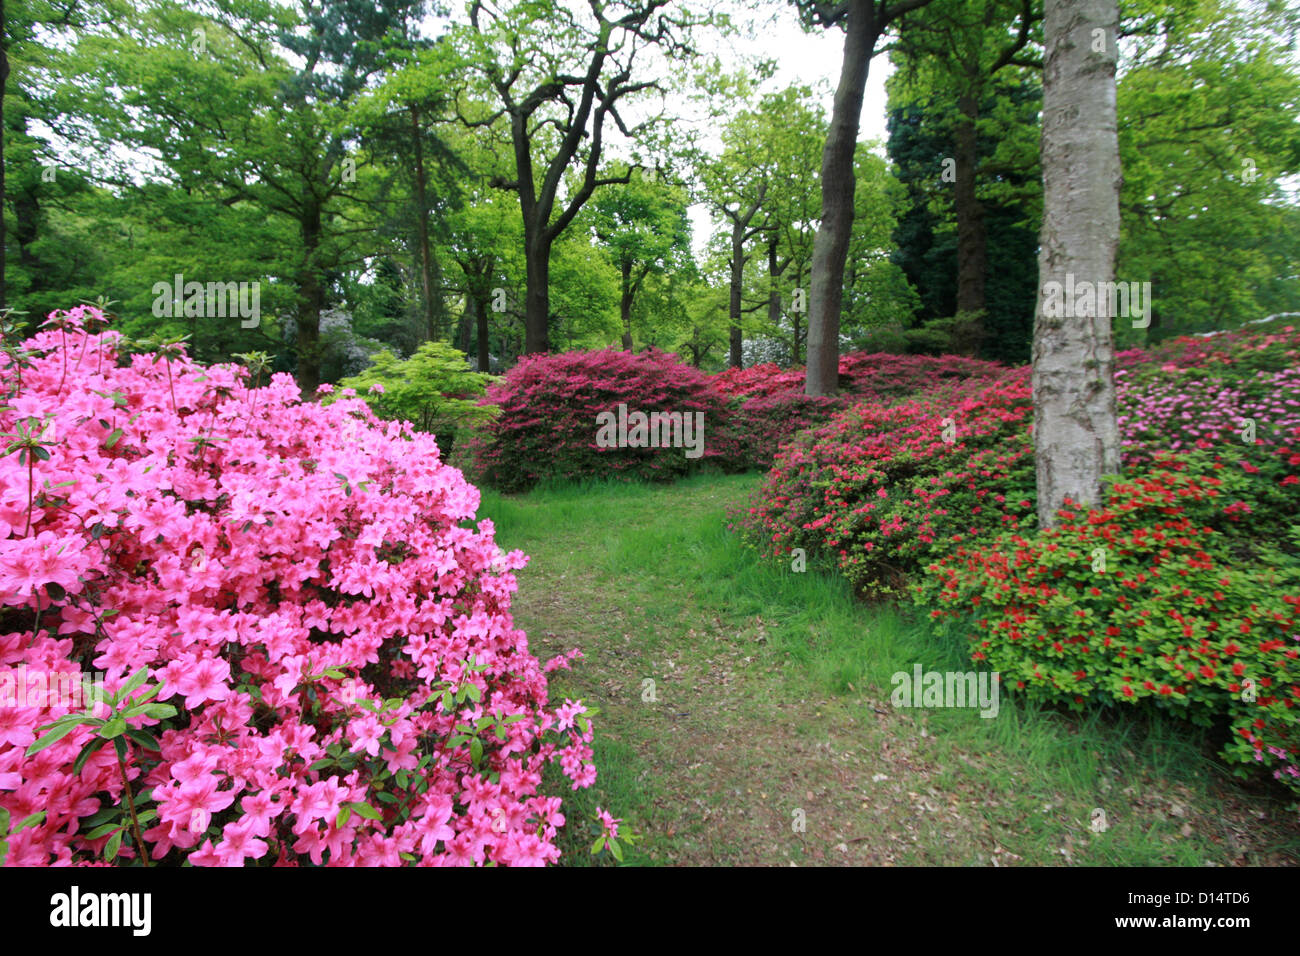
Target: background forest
{"x":393,"y":174}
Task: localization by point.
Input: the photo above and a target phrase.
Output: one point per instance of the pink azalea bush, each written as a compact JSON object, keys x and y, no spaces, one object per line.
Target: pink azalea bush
{"x":1238,"y":389}
{"x":325,"y":666}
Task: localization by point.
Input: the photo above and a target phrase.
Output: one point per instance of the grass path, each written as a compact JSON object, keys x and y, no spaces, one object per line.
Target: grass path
{"x":771,"y":708}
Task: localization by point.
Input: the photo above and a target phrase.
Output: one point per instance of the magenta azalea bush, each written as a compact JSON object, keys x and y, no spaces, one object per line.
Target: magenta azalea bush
{"x":306,"y":644}
{"x":547,"y":427}
{"x":765,"y":422}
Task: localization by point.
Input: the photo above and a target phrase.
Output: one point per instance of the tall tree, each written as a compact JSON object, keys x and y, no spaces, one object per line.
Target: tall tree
{"x":645,"y":230}
{"x":796,"y":134}
{"x":4,"y":84}
{"x":1076,"y":438}
{"x":400,"y":119}
{"x":229,"y":118}
{"x":864,"y":23}
{"x":560,"y":81}
{"x":959,"y":47}
{"x":1009,"y":195}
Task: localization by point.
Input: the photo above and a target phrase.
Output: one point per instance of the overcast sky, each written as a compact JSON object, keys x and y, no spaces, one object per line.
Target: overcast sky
{"x":809,"y":59}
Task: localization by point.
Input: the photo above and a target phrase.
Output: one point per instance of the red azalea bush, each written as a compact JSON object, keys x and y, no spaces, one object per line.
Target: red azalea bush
{"x":547,"y":427}
{"x":308,"y":653}
{"x":876,"y":374}
{"x":879,"y":492}
{"x":880,"y":489}
{"x":1163,"y":596}
{"x":771,"y":407}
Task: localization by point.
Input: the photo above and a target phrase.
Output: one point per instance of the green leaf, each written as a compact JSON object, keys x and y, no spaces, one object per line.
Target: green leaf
{"x":103,"y":816}
{"x":138,"y":678}
{"x":476,"y":750}
{"x":54,"y":736}
{"x":114,"y":728}
{"x":596,"y":847}
{"x":143,"y":738}
{"x":365,"y":810}
{"x":93,"y":744}
{"x":105,"y":830}
{"x":33,"y":820}
{"x":113,"y":437}
{"x":344,"y":815}
{"x":616,"y":850}
{"x":114,"y":844}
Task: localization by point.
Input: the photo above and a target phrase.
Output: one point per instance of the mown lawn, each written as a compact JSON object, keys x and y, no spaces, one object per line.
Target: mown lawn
{"x":771,"y":708}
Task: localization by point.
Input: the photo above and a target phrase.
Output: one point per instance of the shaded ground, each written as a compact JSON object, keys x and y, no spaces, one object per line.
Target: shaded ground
{"x":767,"y":736}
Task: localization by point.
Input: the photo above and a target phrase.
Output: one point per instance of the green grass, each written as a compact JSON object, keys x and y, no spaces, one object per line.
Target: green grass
{"x":792,"y":676}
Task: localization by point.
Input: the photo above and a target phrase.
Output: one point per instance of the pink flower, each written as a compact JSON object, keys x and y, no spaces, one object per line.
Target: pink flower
{"x":609,"y":823}
{"x":203,"y":681}
{"x":192,"y":803}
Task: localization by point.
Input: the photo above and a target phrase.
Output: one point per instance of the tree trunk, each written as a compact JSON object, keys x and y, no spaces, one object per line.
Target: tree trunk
{"x":311,"y":299}
{"x":422,"y":230}
{"x":1075,"y":433}
{"x":774,"y":271}
{"x":831,"y":247}
{"x":794,"y":322}
{"x":971,"y":239}
{"x":625,"y":304}
{"x":484,"y":359}
{"x":465,"y":326}
{"x":537,"y":295}
{"x":736,"y":360}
